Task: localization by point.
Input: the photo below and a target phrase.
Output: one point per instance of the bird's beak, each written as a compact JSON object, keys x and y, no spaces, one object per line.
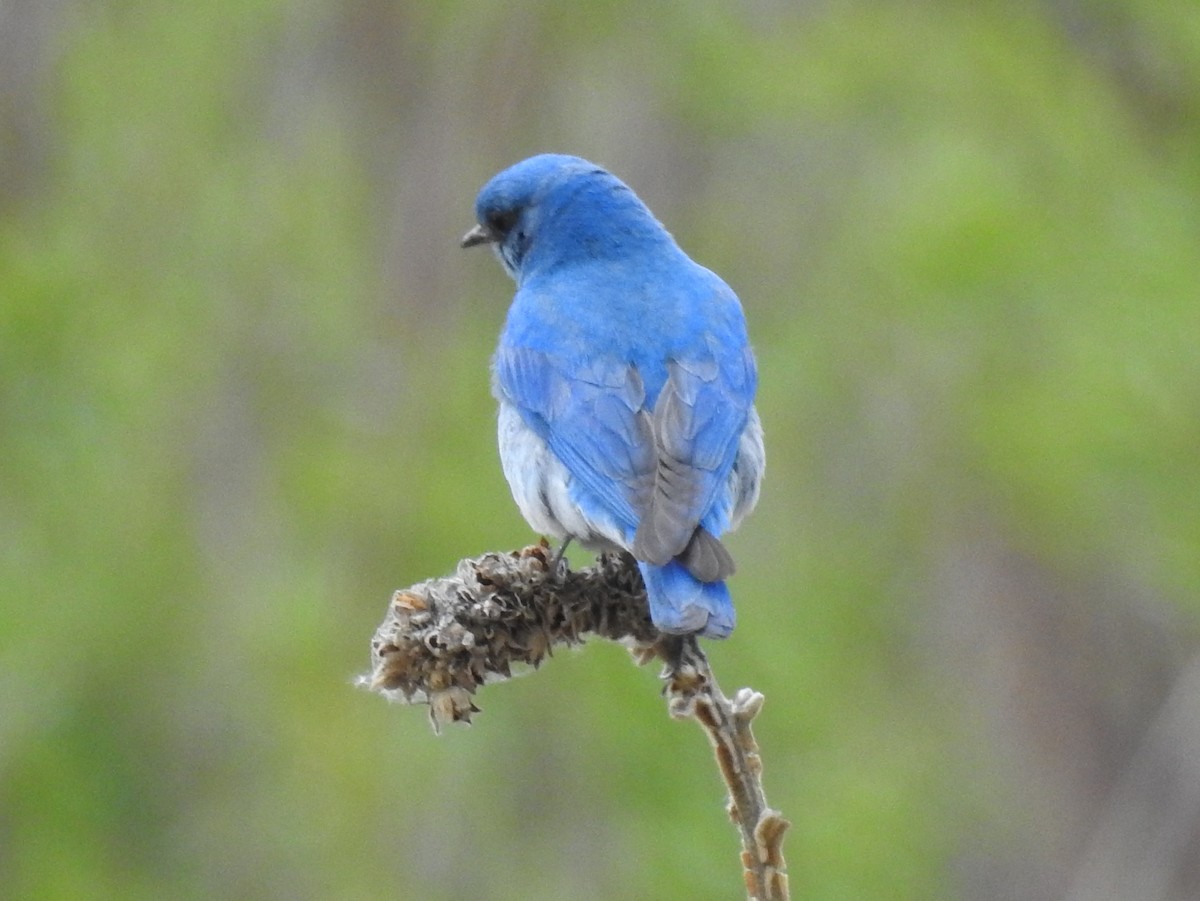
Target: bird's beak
{"x":480,"y":234}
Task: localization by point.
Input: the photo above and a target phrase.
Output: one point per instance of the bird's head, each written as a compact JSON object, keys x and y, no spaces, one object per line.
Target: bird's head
{"x":551,"y":206}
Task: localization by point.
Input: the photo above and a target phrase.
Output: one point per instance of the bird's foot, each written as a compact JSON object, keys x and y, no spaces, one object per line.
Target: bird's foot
{"x":559,"y":567}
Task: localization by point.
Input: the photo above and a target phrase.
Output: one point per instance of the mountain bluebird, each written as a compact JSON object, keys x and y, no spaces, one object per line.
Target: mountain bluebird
{"x":626,"y":384}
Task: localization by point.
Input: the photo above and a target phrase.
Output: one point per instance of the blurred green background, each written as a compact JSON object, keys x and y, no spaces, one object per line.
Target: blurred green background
{"x":244,"y":395}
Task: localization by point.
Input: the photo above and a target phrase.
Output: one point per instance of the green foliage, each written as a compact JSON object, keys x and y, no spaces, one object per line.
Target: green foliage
{"x":244,"y":394}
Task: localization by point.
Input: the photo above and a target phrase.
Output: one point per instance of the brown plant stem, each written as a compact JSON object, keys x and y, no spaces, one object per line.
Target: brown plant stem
{"x":441,"y":640}
{"x":693,"y":693}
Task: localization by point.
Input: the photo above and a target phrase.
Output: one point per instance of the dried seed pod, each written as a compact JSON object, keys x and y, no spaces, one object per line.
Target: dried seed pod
{"x":443,"y":638}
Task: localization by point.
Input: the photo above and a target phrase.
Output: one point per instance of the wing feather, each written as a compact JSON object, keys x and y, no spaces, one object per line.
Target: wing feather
{"x":657,"y":469}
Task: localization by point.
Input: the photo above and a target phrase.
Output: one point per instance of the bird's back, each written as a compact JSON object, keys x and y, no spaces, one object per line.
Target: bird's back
{"x":645,"y":309}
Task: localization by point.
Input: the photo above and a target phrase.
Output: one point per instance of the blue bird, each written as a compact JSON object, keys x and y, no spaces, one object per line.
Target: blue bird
{"x":626,"y":384}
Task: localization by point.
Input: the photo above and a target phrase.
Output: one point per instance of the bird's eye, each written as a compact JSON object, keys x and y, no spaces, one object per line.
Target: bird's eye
{"x":501,"y":221}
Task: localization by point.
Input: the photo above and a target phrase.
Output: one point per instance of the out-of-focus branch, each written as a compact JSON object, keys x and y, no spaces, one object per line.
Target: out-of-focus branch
{"x":443,"y":639}
{"x":1144,"y":842}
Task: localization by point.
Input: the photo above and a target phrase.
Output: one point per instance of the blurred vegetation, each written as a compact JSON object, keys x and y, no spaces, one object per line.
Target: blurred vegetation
{"x":244,"y":395}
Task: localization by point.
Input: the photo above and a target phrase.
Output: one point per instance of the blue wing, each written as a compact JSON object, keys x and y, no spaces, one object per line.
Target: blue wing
{"x":655,"y":459}
{"x":593,"y":418}
{"x":698,"y":420}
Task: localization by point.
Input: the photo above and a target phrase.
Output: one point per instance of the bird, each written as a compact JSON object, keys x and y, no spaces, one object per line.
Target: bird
{"x":625,"y":381}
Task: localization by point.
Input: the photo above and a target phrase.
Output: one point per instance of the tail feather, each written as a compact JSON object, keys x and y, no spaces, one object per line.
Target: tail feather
{"x":681,"y":603}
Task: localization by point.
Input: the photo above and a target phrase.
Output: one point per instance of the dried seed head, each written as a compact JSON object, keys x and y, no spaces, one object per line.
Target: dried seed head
{"x":443,"y":638}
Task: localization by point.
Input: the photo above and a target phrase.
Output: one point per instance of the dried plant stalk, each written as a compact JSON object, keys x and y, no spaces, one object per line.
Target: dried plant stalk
{"x":443,"y":639}
{"x":693,"y":693}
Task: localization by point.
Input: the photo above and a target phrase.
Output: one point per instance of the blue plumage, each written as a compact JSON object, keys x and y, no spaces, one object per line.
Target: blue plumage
{"x":626,"y":384}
